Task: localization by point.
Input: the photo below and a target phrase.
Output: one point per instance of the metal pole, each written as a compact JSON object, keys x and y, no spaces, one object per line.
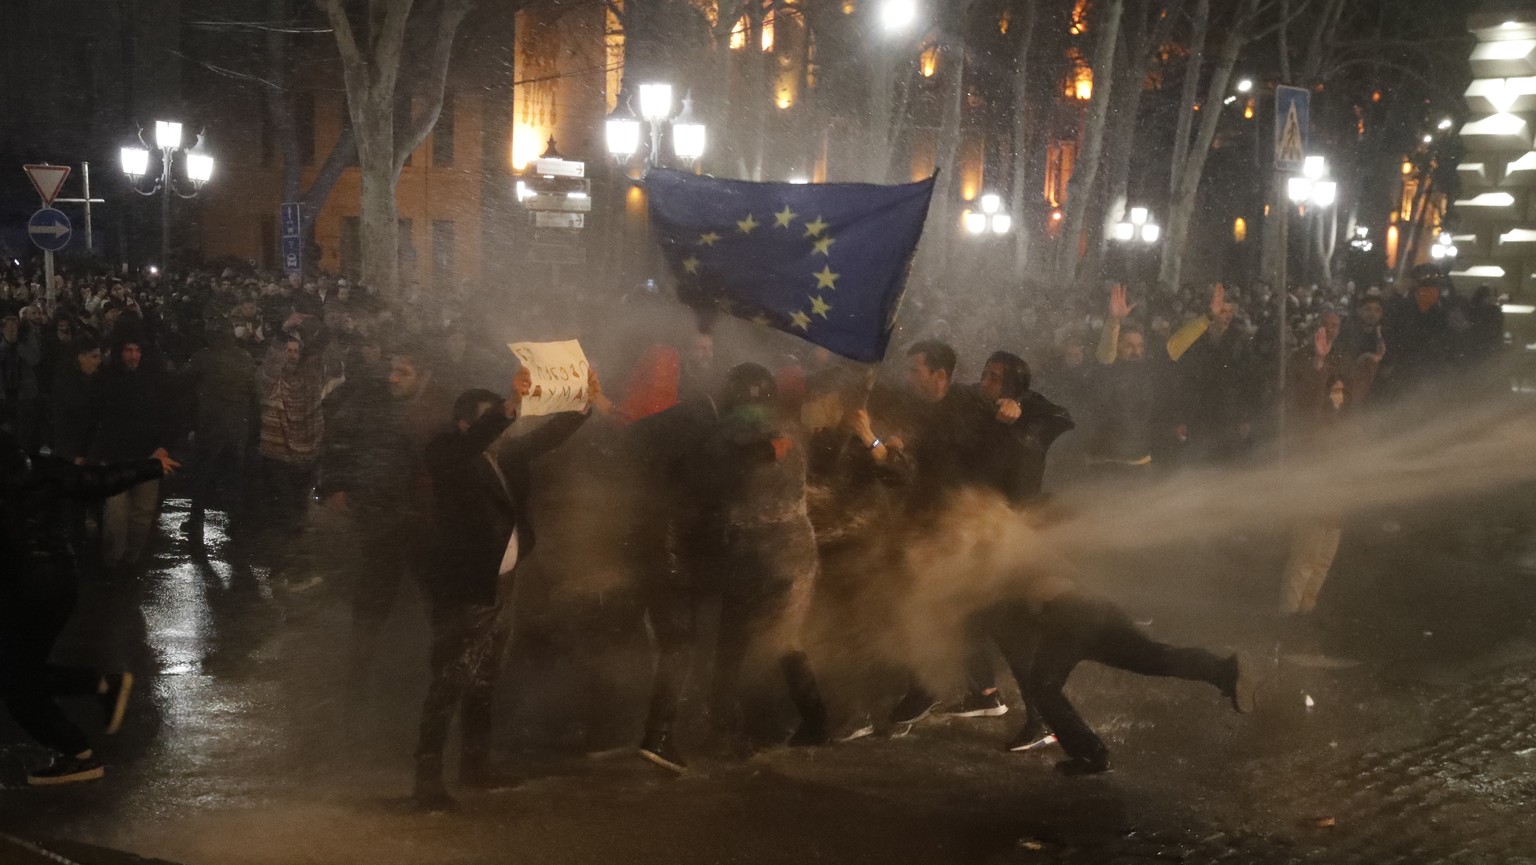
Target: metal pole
{"x":48,"y":276}
{"x":85,"y":170}
{"x":165,"y":210}
{"x":1281,"y":326}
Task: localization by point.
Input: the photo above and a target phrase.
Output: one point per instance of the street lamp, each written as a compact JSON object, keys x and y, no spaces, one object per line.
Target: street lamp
{"x":136,"y":166}
{"x":624,"y":129}
{"x":1139,"y":233}
{"x":1444,"y":248}
{"x":990,"y":218}
{"x":1245,"y":85}
{"x":688,"y":134}
{"x":898,"y":14}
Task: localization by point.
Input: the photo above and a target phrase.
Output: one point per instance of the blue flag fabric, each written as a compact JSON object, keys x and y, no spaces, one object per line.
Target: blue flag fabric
{"x":824,"y":262}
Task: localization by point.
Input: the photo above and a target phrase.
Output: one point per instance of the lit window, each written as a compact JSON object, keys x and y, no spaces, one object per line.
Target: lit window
{"x":1239,"y":229}
{"x":1004,"y":21}
{"x":928,"y":64}
{"x":768,"y":26}
{"x":1248,"y":109}
{"x":1079,"y":24}
{"x":739,"y":35}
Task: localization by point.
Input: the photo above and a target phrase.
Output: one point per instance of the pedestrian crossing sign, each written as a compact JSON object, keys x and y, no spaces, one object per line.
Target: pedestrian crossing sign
{"x":1292,"y":105}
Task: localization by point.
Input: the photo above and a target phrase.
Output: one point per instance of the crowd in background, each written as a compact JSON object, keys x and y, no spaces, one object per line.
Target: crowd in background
{"x":280,"y":392}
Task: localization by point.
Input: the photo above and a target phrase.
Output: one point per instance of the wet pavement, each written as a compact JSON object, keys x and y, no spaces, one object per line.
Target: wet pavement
{"x":251,"y":743}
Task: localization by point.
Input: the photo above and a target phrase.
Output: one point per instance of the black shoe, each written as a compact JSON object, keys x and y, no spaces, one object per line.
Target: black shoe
{"x":114,"y":703}
{"x":979,"y":706}
{"x":1032,"y":738}
{"x":1244,"y":686}
{"x":68,"y":770}
{"x":915,"y":706}
{"x":658,"y":748}
{"x":1077,"y":766}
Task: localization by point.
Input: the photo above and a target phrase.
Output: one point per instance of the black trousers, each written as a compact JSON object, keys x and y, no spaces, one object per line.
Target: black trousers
{"x":468,"y":643}
{"x":32,"y":615}
{"x":1042,"y":651}
{"x":218,"y":458}
{"x":762,"y":580}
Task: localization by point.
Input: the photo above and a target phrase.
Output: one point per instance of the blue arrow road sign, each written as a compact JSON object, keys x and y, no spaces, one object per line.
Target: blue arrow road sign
{"x":49,"y":229}
{"x":291,"y":219}
{"x":293,"y":255}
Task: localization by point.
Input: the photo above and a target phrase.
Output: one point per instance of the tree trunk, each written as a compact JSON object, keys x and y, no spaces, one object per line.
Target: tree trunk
{"x":1121,"y":137}
{"x":1181,"y":211}
{"x":948,"y":152}
{"x":380,"y":220}
{"x":1020,"y":198}
{"x":1079,"y":189}
{"x":1189,"y":94}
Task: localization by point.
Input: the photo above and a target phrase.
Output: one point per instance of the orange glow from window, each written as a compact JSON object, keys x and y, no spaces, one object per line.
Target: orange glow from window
{"x":1376,"y":96}
{"x":739,"y":35}
{"x":1248,"y":110}
{"x":1407,"y":167}
{"x":1239,"y":229}
{"x":527,"y":144}
{"x":1004,"y":21}
{"x":785,"y":99}
{"x":767,"y":39}
{"x":850,"y":7}
{"x":1079,"y":24}
{"x":928,"y":64}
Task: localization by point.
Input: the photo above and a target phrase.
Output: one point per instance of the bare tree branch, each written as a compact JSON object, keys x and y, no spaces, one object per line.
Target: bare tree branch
{"x":434,"y":78}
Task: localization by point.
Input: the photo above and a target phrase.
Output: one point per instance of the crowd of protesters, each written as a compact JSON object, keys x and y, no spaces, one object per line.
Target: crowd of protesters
{"x":276,"y":393}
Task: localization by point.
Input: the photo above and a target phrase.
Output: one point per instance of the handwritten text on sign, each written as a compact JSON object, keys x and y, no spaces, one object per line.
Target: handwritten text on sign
{"x":559,"y":372}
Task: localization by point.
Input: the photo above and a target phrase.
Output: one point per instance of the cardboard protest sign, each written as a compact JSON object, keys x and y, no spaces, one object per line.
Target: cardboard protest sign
{"x":559,"y":371}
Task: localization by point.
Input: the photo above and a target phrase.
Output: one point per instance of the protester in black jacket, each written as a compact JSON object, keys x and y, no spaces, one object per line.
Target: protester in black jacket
{"x":479,"y":496}
{"x":38,"y":585}
{"x":133,"y":421}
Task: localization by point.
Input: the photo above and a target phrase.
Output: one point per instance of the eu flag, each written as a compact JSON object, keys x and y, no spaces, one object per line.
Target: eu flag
{"x":825,"y":262}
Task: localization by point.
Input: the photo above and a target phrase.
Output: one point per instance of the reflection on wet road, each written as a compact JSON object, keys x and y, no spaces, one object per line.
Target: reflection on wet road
{"x":251,"y":744}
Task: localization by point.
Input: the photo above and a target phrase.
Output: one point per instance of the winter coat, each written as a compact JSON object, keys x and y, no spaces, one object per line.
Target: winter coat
{"x":76,"y":412}
{"x":34,"y":536}
{"x":480,"y":496}
{"x":134,"y":416}
{"x":223,"y":376}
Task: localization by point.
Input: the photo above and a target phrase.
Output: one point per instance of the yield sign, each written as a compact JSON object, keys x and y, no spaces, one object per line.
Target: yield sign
{"x":47,"y":180}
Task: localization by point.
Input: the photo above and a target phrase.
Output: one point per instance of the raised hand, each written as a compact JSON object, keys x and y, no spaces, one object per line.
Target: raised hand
{"x":168,"y":466}
{"x":1118,"y":308}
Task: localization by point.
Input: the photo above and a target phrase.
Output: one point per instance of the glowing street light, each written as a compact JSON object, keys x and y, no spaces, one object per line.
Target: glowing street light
{"x":169,"y":142}
{"x":1245,"y":85}
{"x":898,"y":15}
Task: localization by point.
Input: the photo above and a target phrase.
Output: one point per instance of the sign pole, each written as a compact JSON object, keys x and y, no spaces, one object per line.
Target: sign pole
{"x":1282,"y":328}
{"x":85,"y":170}
{"x":48,"y":275}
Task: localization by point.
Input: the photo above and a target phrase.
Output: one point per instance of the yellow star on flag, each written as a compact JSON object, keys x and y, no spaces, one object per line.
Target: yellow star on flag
{"x":761,"y":319}
{"x":819,"y":306}
{"x":826,"y":278}
{"x":814,"y":229}
{"x":747,"y":225}
{"x":691,"y":264}
{"x":824,"y":246}
{"x":709,"y":239}
{"x":784,"y":217}
{"x":800,"y":320}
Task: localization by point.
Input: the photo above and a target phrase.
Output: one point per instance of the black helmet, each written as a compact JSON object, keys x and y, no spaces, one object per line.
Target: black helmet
{"x":748,"y":384}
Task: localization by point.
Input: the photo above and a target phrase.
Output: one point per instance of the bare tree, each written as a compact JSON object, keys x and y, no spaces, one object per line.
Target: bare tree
{"x":1086,"y":173}
{"x":1185,"y":183}
{"x":393,"y":103}
{"x":279,"y":99}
